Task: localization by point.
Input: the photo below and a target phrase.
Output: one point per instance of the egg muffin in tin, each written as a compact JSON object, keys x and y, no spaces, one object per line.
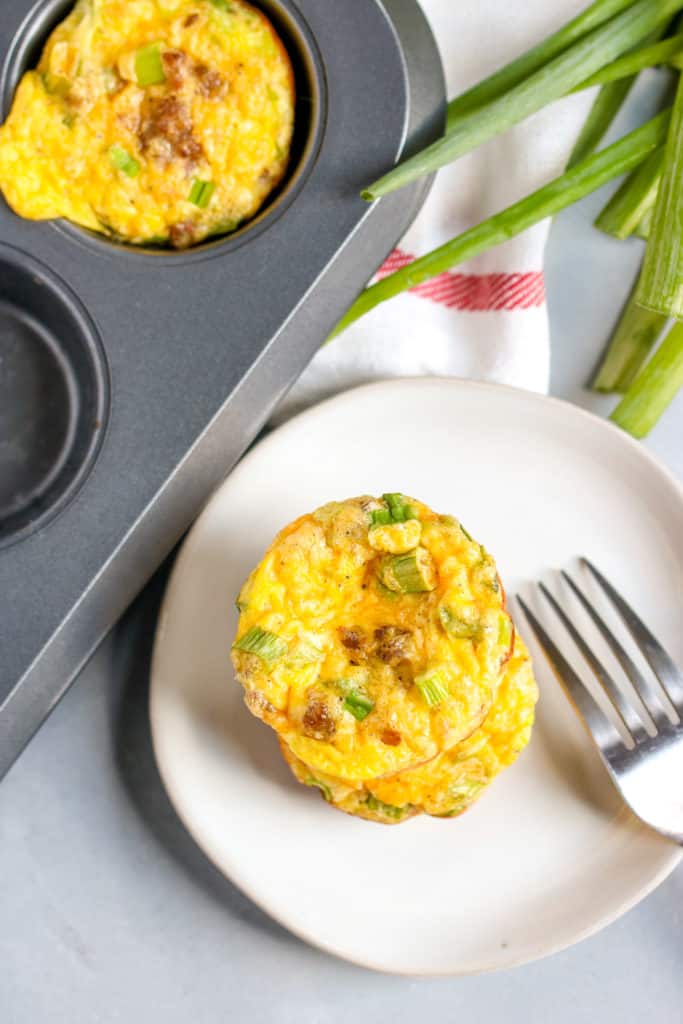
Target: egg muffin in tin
{"x":450,"y":783}
{"x":152,"y":121}
{"x":372,"y":636}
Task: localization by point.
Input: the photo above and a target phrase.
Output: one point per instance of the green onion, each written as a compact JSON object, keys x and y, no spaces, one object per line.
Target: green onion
{"x":241,"y":605}
{"x":433,"y":687}
{"x":359,"y":706}
{"x":411,"y":573}
{"x":399,"y":508}
{"x":385,"y":592}
{"x":380,"y":517}
{"x":388,"y":810}
{"x":645,"y":225}
{"x":223,"y":5}
{"x":617,"y":79}
{"x":551,"y":82}
{"x":123,"y":161}
{"x":324,"y":789}
{"x":580,"y":181}
{"x":201,"y":193}
{"x":654,"y":388}
{"x":398,"y":511}
{"x":55,"y":85}
{"x":633,"y":339}
{"x":605,"y":108}
{"x":460,"y":628}
{"x":305,"y":653}
{"x":149,"y":69}
{"x":261,"y":642}
{"x":533,"y":60}
{"x":631,"y":63}
{"x":661,"y":280}
{"x":467,"y":534}
{"x":629,"y":204}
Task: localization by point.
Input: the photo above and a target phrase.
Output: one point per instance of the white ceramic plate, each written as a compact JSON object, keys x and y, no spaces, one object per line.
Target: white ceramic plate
{"x":549,"y":855}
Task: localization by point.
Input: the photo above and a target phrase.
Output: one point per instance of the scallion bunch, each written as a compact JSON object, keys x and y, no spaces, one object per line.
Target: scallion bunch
{"x":607,"y":45}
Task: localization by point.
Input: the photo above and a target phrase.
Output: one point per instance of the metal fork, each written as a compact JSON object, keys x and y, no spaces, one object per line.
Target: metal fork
{"x":646,"y":763}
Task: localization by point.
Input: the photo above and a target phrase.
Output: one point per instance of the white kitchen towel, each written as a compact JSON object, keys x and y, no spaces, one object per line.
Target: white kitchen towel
{"x":486,"y":319}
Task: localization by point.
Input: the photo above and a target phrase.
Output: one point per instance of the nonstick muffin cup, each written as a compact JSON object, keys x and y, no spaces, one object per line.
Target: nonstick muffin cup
{"x":147,"y":373}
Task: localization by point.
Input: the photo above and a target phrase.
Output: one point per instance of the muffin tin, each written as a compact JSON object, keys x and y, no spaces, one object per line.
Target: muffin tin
{"x":132,"y":380}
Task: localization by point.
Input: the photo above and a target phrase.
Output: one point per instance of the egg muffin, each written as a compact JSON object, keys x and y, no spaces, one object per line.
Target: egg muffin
{"x":454,"y":780}
{"x":152,"y":121}
{"x":372,"y":636}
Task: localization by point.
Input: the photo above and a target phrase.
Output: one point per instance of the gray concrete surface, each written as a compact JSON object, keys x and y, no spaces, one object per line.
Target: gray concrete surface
{"x":108,"y":912}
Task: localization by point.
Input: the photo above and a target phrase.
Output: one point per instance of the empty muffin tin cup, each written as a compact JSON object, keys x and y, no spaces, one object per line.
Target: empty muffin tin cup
{"x":54,"y":395}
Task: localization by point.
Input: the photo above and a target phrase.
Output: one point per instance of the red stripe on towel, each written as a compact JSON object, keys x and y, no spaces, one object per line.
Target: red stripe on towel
{"x":474,"y":293}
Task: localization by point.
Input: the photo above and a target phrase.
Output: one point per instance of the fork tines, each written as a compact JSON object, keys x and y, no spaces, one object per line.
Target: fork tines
{"x":652,"y":707}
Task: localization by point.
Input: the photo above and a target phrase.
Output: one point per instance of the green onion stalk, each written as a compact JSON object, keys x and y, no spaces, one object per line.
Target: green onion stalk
{"x":557,"y":77}
{"x":591,"y":174}
{"x":606,"y":106}
{"x":624,"y":213}
{"x":533,"y":60}
{"x":654,"y":388}
{"x":662,"y":52}
{"x":661,"y":280}
{"x":631,"y":343}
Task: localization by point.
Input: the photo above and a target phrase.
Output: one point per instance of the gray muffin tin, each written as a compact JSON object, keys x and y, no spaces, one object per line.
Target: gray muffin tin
{"x":132,"y":381}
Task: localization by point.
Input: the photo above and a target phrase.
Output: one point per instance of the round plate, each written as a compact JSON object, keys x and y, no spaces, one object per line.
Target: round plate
{"x":550,"y":854}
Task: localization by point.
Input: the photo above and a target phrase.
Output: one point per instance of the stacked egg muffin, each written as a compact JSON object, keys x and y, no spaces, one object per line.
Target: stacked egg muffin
{"x":375,"y":640}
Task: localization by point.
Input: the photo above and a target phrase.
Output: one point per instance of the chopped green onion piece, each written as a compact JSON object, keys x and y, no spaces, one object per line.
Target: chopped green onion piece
{"x":261,"y":642}
{"x":549,"y":83}
{"x":633,"y":339}
{"x":627,"y":207}
{"x":149,"y":68}
{"x":390,"y":595}
{"x":460,"y":628}
{"x":241,"y":605}
{"x":123,"y":161}
{"x":604,"y":109}
{"x":223,"y":5}
{"x":55,"y":85}
{"x":661,"y":281}
{"x":380,"y":517}
{"x":580,"y":181}
{"x":411,"y":573}
{"x":467,"y":534}
{"x":305,"y":653}
{"x":398,"y":511}
{"x":399,"y":508}
{"x":433,"y":687}
{"x":654,"y":388}
{"x":388,"y":810}
{"x":316,"y":784}
{"x":324,"y":789}
{"x":201,"y":193}
{"x":359,"y":706}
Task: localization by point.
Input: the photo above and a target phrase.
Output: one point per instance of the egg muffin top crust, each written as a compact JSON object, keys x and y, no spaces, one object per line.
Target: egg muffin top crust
{"x":152,"y":121}
{"x":372,"y":636}
{"x":450,"y":783}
